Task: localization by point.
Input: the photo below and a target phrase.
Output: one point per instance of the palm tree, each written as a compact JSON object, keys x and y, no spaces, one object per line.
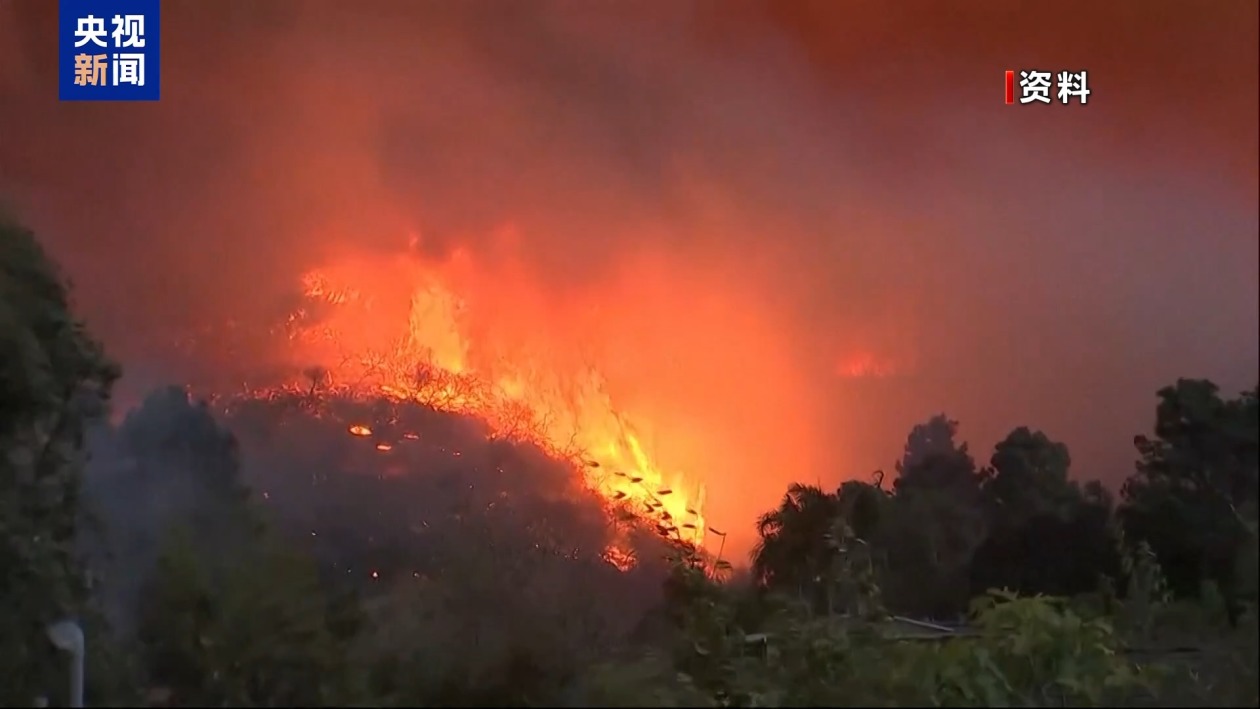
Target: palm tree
{"x":795,"y":548}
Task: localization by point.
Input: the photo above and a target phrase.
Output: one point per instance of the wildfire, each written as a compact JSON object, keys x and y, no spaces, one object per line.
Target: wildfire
{"x":397,"y":329}
{"x":864,"y":365}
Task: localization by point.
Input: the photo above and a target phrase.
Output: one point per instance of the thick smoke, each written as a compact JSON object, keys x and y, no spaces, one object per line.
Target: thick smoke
{"x":169,"y":466}
{"x":845,"y":173}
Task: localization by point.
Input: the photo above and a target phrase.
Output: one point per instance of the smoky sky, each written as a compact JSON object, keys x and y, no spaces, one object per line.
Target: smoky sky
{"x":850,"y":163}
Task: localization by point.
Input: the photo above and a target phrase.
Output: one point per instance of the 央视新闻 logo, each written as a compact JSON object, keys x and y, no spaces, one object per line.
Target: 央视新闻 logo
{"x":109,"y":50}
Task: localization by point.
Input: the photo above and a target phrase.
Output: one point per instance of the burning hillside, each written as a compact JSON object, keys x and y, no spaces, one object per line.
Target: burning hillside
{"x":398,"y":331}
{"x":654,"y":381}
{"x":375,"y":498}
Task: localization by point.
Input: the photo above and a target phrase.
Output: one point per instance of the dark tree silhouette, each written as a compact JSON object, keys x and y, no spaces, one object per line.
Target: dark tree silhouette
{"x":1195,"y":486}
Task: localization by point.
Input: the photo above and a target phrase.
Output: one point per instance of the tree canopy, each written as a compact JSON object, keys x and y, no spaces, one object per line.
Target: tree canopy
{"x":54,"y":379}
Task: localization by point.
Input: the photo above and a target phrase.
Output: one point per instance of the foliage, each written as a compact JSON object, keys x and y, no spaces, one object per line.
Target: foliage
{"x":1195,"y":480}
{"x":1046,"y":534}
{"x":227,"y":614}
{"x":465,"y":637}
{"x":254,"y":633}
{"x":647,"y":681}
{"x":938,"y":523}
{"x":54,"y":378}
{"x":793,"y":551}
{"x":170,"y":464}
{"x":1147,"y":589}
{"x":1028,"y":478}
{"x":1026,"y":652}
{"x":934,"y":458}
{"x":1033,"y":651}
{"x":811,"y":547}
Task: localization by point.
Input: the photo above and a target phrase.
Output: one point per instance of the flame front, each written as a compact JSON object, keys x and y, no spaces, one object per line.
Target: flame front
{"x":397,"y":329}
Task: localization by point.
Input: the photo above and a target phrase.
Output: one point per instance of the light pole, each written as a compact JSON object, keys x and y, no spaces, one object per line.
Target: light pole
{"x":67,"y":636}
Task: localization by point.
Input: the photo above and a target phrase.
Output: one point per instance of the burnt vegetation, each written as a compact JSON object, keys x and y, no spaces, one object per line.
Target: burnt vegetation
{"x":258,"y":552}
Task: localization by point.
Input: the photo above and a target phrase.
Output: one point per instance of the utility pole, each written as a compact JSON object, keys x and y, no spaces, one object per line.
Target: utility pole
{"x":67,"y":636}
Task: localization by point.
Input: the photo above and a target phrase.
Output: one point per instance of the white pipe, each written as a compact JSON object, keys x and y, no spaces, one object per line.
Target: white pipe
{"x":67,"y":636}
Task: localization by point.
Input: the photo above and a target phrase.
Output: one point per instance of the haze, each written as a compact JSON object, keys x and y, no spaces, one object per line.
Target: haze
{"x":751,"y":197}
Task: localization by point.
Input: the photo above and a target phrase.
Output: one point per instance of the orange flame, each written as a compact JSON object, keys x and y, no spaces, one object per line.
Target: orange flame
{"x":396,"y":329}
{"x":863,"y":365}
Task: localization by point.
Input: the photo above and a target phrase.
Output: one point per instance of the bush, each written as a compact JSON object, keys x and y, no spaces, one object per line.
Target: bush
{"x":1024,"y":651}
{"x":255,"y":632}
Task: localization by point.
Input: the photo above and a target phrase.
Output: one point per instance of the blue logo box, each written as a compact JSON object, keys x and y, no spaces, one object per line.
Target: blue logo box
{"x":109,"y":50}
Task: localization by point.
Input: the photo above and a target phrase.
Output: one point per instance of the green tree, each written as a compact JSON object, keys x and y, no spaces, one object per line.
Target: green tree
{"x":1045,"y":533}
{"x":226,"y":613}
{"x":1193,"y":483}
{"x":933,"y":459}
{"x":170,"y":466}
{"x":254,"y":632}
{"x":935,"y":522}
{"x":54,"y":378}
{"x":864,"y":505}
{"x":1028,"y":477}
{"x":794,"y":551}
{"x":818,"y":546}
